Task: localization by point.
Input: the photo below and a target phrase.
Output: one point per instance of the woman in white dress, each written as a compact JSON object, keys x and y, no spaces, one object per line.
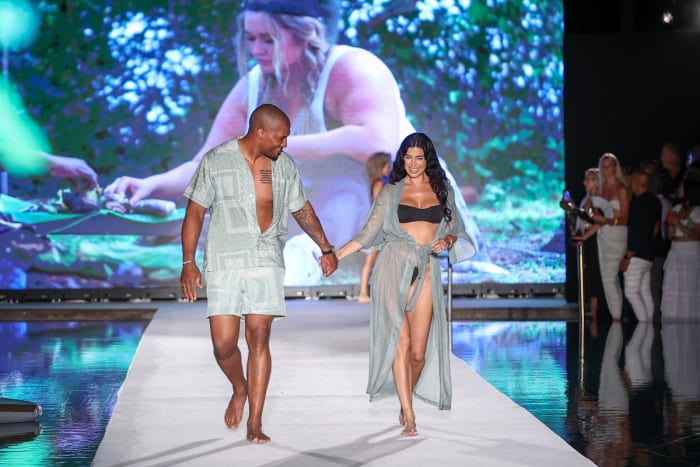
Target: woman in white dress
{"x":680,"y":299}
{"x":612,"y":234}
{"x":587,"y":235}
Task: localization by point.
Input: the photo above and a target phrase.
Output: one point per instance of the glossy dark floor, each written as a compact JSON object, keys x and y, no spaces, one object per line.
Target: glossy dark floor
{"x":628,"y":396}
{"x":74,"y":371}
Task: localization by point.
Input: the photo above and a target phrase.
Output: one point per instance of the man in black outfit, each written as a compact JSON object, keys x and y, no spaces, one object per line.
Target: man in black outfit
{"x":643,"y":227}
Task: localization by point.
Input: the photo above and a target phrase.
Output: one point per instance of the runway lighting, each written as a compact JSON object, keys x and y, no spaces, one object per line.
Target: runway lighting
{"x":667,"y":17}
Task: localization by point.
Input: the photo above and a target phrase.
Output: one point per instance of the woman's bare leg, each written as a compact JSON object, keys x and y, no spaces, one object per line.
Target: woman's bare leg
{"x":410,"y":355}
{"x":419,"y":328}
{"x":594,"y":308}
{"x":594,"y":316}
{"x":402,"y":374}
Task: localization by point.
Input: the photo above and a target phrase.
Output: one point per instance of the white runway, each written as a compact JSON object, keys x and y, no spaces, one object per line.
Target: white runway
{"x":171,"y":406}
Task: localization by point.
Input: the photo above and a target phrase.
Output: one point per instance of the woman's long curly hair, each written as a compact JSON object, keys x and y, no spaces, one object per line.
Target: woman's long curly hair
{"x":438,"y":180}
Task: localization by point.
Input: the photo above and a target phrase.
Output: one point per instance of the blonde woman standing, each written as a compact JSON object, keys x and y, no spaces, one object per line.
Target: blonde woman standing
{"x":612,"y":233}
{"x":587,"y":234}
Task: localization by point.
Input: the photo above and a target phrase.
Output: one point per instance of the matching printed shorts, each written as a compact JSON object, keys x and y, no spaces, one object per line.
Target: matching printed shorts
{"x":258,"y":291}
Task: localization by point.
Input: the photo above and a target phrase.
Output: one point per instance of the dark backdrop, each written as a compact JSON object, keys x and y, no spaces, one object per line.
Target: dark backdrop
{"x":631,"y":83}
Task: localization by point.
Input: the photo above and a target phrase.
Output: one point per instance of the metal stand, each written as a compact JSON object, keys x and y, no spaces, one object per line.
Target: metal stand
{"x":449,"y":303}
{"x":582,"y":312}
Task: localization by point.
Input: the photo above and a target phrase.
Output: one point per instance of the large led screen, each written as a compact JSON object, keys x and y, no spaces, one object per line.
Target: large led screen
{"x":106,"y":108}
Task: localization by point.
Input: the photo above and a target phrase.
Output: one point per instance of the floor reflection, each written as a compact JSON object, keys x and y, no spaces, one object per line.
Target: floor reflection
{"x":74,"y":371}
{"x":633,"y":399}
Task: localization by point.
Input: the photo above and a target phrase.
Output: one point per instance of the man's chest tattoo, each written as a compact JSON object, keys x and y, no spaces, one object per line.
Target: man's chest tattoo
{"x":266,"y":176}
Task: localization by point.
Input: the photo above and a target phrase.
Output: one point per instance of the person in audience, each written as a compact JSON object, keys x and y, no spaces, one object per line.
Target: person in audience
{"x":680,"y":297}
{"x":586,"y":233}
{"x":643,"y":228}
{"x":661,"y":242}
{"x":412,"y":221}
{"x":673,"y":159}
{"x":612,"y":233}
{"x":378,"y":167}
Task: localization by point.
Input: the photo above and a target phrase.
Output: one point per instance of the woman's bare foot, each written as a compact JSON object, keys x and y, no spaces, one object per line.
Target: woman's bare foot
{"x":401,"y":419}
{"x":409,"y":428}
{"x":363,"y":299}
{"x":255,"y":435}
{"x":234,"y":411}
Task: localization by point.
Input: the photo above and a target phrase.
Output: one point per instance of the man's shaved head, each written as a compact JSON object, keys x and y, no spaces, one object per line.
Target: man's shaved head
{"x":268,"y":129}
{"x":267,"y":117}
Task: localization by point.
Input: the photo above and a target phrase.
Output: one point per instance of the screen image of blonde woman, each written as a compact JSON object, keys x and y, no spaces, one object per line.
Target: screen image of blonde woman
{"x":129,"y":99}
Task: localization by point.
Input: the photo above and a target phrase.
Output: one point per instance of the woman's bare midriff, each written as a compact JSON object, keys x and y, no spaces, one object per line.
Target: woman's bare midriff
{"x":422,"y":232}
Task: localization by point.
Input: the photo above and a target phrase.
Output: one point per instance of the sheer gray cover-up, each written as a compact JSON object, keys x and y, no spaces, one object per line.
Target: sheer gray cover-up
{"x":398,"y":255}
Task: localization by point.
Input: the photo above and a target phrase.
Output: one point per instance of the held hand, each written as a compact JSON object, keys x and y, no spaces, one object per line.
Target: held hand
{"x":134,"y":188}
{"x":329,"y":263}
{"x":190,"y":280}
{"x":577,"y":241}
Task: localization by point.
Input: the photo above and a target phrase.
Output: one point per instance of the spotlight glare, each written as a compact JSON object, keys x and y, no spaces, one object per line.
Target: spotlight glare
{"x":667,"y":17}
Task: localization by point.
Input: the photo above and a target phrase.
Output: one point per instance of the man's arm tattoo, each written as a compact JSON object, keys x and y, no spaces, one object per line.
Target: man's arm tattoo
{"x":309,"y":223}
{"x":266,"y":176}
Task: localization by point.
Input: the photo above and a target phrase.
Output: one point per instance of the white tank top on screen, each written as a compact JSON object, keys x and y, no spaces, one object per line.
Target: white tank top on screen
{"x":311,"y":119}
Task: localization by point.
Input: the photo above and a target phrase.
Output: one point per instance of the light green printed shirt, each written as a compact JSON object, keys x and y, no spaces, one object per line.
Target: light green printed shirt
{"x":223,"y":183}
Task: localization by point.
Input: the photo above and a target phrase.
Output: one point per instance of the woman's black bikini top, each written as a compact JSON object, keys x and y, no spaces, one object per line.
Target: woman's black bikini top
{"x":432,"y":214}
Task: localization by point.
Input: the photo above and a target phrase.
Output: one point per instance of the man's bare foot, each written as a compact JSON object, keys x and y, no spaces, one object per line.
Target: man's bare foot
{"x":409,"y":428}
{"x":255,"y":435}
{"x":234,"y":411}
{"x":363,"y":299}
